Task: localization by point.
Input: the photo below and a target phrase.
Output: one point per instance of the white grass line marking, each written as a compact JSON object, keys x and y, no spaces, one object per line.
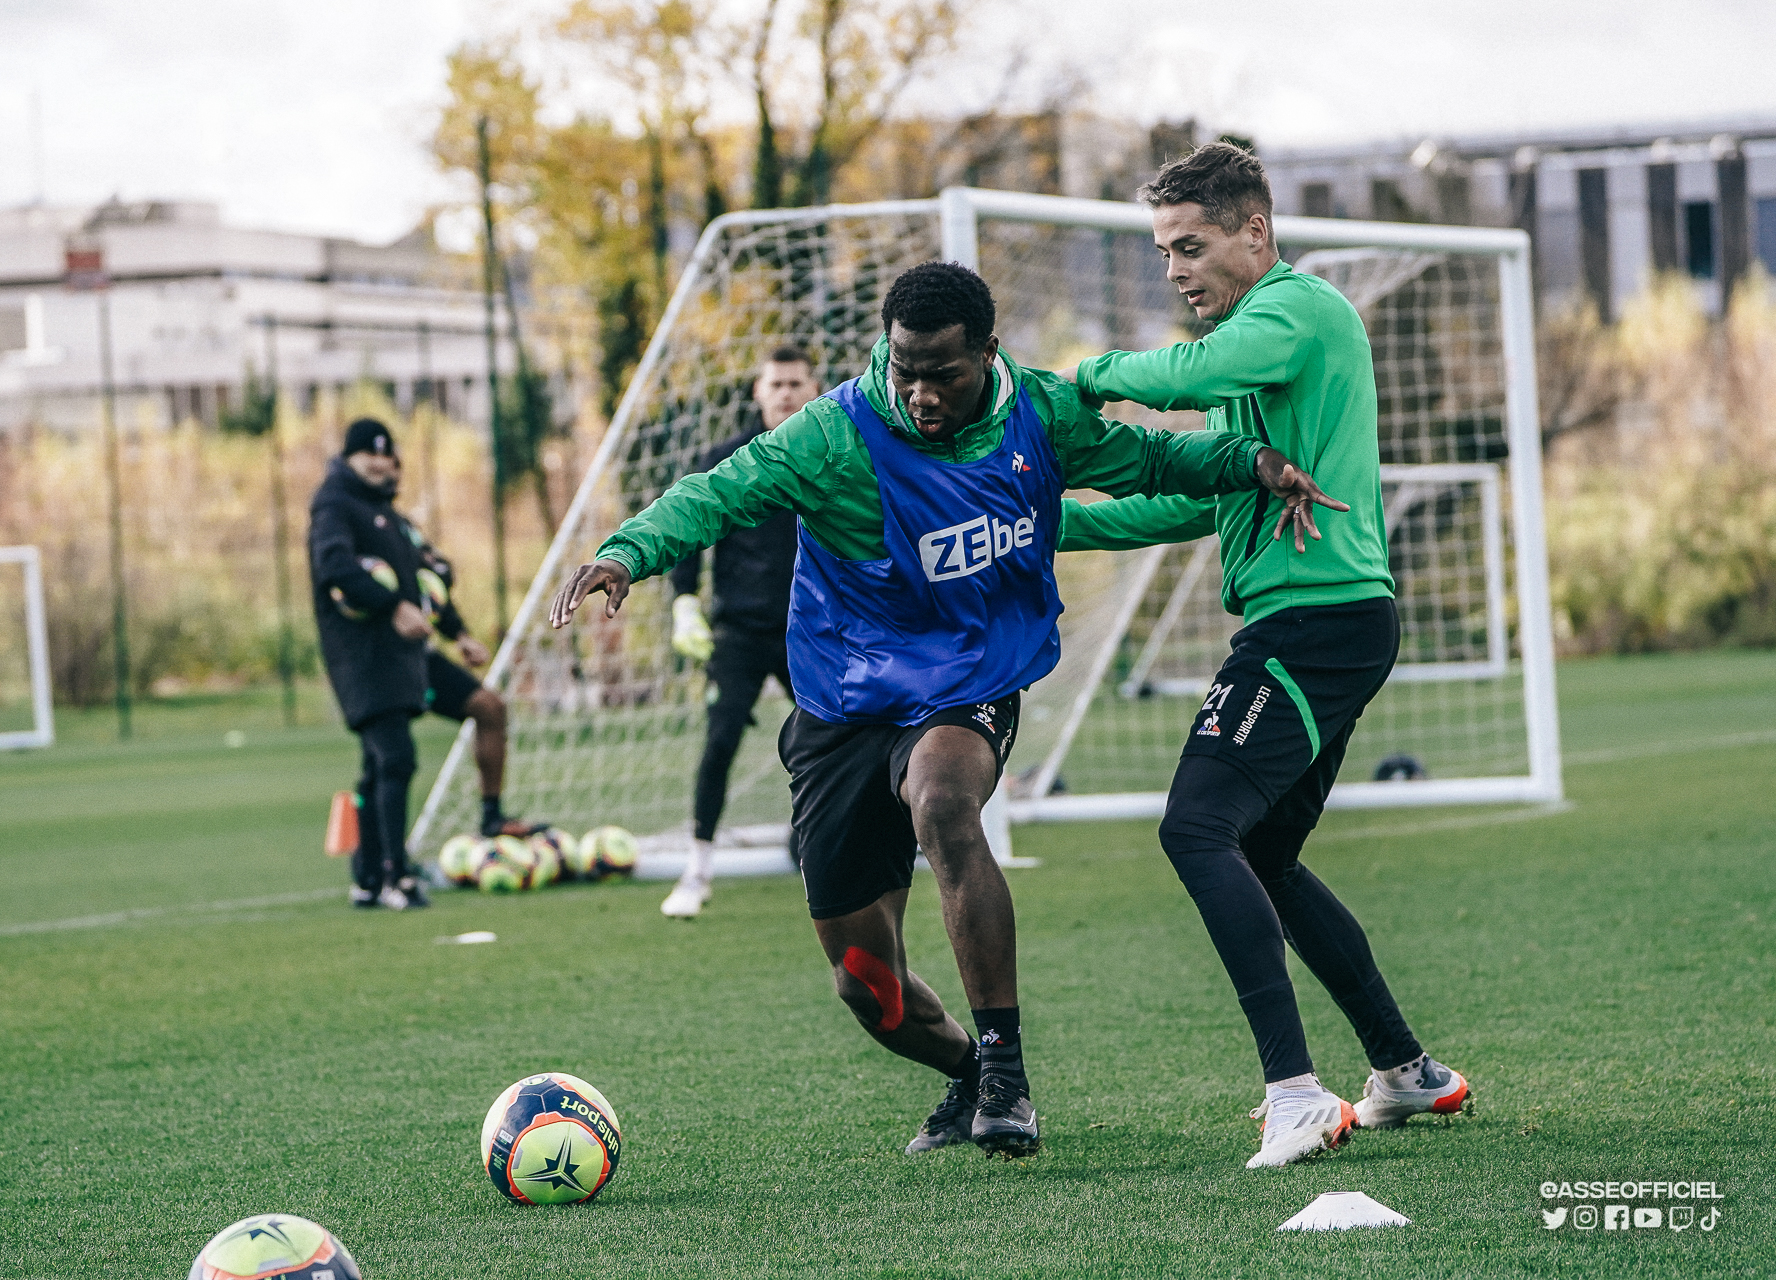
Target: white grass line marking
{"x":1448,"y":824}
{"x":149,"y":913}
{"x":1606,"y":755}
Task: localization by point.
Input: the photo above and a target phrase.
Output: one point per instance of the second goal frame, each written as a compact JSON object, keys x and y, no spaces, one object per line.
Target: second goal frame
{"x":963,"y":211}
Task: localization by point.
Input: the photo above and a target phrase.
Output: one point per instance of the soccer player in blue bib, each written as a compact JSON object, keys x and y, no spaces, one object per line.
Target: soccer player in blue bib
{"x":928,"y":493}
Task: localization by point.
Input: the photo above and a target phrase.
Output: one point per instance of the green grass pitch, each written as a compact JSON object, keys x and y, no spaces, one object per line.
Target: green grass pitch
{"x":1604,"y":975}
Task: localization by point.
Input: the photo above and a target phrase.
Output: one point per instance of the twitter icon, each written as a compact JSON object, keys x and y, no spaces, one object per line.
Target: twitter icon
{"x":1555,"y":1220}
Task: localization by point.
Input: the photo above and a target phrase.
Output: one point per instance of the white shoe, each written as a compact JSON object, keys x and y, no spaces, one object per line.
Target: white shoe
{"x":1429,"y":1087}
{"x":687,"y":897}
{"x":392,"y":898}
{"x":1298,"y":1123}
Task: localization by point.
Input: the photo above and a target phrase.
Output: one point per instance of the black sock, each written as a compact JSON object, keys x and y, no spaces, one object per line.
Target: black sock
{"x":968,"y":1069}
{"x":490,"y":812}
{"x":998,"y":1026}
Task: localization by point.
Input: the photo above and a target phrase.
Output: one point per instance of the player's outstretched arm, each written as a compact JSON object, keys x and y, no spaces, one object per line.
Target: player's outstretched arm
{"x":1128,"y":524}
{"x":782,"y":469}
{"x":1121,"y":459}
{"x":608,"y":576}
{"x":1298,"y":492}
{"x":1260,"y":346}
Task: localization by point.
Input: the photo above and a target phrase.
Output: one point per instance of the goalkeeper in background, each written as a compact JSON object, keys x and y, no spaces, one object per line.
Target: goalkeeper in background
{"x":1288,"y":364}
{"x":753,"y":570}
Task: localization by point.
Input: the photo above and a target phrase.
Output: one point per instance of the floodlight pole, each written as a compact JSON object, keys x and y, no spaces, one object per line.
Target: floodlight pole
{"x":280,"y":533}
{"x":114,"y":478}
{"x":489,"y":268}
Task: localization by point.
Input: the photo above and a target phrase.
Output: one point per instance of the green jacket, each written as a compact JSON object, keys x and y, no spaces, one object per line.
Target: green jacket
{"x":817,"y":465}
{"x":1290,"y":366}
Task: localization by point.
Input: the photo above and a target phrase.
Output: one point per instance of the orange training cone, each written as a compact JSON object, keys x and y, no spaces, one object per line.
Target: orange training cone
{"x":342,"y":825}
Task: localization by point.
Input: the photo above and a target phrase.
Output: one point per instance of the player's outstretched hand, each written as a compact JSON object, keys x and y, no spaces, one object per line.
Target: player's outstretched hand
{"x":1299,"y":494}
{"x":601,"y":575}
{"x":472,"y":650}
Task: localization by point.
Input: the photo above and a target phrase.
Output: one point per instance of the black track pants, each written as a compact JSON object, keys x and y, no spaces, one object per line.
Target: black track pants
{"x":1249,"y":789}
{"x":389,"y":763}
{"x":737,"y":671}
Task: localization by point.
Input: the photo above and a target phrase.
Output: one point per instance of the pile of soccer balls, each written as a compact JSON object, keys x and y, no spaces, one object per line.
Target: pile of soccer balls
{"x":549,"y":1139}
{"x":513,"y":864}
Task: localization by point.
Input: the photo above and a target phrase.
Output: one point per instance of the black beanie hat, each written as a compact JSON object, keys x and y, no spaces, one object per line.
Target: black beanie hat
{"x":367,"y":435}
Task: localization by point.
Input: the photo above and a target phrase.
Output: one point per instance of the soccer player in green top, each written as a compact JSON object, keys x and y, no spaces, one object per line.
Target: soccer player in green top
{"x":1288,"y":363}
{"x":929,"y":496}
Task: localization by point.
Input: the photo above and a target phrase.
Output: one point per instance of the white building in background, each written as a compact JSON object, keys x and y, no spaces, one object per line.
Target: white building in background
{"x":196,"y":304}
{"x":1606,"y":208}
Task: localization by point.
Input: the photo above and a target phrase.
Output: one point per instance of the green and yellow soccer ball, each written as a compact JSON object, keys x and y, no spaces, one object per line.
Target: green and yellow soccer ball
{"x":607,"y":852}
{"x":377,"y":568}
{"x":506,"y":866}
{"x":459,"y":859}
{"x":433,"y":594}
{"x":550,"y":1139}
{"x":548,"y":845}
{"x":580,"y":857}
{"x":274,"y":1244}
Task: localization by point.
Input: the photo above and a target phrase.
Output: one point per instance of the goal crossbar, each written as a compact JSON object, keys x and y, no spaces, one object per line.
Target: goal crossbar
{"x":959,"y":215}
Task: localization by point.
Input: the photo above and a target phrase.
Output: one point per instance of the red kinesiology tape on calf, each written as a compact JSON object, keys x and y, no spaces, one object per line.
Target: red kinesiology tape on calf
{"x":883,"y":985}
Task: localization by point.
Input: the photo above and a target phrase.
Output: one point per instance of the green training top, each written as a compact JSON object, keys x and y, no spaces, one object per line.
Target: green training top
{"x":817,"y":465}
{"x":1290,"y":366}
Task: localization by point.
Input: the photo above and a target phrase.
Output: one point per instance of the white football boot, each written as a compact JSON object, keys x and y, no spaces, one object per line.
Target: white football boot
{"x":692,"y":891}
{"x":1299,"y":1122}
{"x":687,"y":897}
{"x":1422,"y":1085}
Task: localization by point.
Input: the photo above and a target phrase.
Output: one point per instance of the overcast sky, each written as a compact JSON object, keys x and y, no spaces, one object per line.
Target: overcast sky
{"x":313,"y":114}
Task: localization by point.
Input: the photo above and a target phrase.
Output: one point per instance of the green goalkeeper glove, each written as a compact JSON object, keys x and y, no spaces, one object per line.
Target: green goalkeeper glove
{"x":691,"y":637}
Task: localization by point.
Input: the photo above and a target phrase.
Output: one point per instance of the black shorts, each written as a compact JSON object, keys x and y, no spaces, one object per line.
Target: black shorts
{"x":854,"y":834}
{"x":448,"y":687}
{"x":1283,"y":705}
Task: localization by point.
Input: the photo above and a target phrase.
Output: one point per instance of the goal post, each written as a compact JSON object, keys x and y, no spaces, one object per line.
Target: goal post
{"x":606,"y":723}
{"x":1449,"y":311}
{"x":27,"y":716}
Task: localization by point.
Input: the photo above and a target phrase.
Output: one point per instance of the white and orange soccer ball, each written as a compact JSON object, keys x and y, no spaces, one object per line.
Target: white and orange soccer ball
{"x":551,"y":1139}
{"x":274,"y":1244}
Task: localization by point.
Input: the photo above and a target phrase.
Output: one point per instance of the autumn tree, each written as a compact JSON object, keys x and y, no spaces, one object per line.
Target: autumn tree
{"x":858,"y":59}
{"x":712,"y":112}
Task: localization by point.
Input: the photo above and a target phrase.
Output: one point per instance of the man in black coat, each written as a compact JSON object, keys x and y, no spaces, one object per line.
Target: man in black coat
{"x":364,"y":563}
{"x":753,"y":571}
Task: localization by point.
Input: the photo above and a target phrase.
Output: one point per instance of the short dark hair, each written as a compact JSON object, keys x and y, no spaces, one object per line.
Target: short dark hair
{"x":1227,"y":181}
{"x":789,"y":353}
{"x":936,"y":295}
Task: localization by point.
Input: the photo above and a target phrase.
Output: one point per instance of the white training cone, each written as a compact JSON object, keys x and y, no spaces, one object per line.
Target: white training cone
{"x":1342,"y":1210}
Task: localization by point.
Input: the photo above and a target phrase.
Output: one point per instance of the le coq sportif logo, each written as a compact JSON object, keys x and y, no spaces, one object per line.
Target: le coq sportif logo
{"x":967,"y":548}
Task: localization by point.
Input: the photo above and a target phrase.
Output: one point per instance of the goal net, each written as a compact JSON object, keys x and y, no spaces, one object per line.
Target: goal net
{"x":606,"y":722}
{"x":25,"y":715}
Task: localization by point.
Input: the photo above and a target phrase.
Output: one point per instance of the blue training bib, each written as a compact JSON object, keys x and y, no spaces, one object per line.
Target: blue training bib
{"x":962,"y":610}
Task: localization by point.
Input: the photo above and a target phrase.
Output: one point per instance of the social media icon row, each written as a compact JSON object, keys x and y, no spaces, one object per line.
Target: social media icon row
{"x":1620,"y":1217}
